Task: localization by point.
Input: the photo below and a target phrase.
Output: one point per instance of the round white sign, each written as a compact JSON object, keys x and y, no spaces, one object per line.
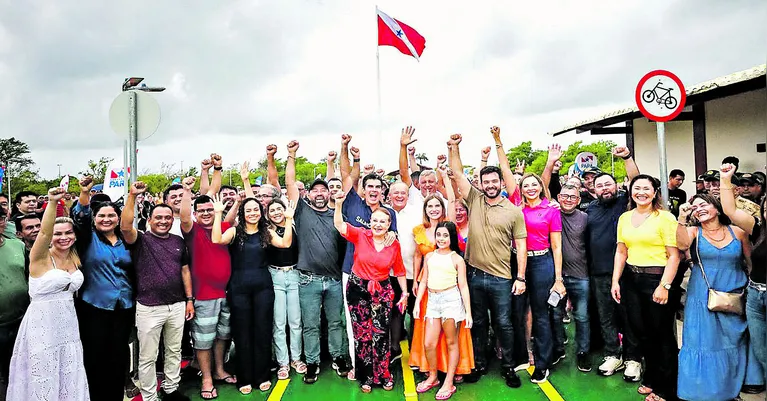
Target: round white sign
{"x":585,"y":160}
{"x":660,"y":96}
{"x":147,"y":110}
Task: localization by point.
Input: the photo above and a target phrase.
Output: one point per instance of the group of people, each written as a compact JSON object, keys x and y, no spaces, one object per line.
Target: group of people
{"x":255,"y":269}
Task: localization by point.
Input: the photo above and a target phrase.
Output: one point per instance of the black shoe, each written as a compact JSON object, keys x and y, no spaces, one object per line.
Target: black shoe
{"x":752,"y":389}
{"x":175,"y":396}
{"x":584,"y":363}
{"x":539,"y":376}
{"x":557,"y":357}
{"x":341,"y":367}
{"x":274,"y":366}
{"x":512,"y":380}
{"x":312,"y":370}
{"x":475,"y":375}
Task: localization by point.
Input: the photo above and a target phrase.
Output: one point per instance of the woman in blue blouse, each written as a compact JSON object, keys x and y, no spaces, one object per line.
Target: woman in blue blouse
{"x":106,"y":306}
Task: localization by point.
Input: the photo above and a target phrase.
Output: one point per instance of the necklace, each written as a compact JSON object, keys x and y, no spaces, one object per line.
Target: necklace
{"x":710,"y":232}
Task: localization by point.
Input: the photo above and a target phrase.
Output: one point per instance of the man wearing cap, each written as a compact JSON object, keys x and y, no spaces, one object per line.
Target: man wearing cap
{"x":587,"y":194}
{"x":712,"y":185}
{"x":753,"y":186}
{"x":320,"y":249}
{"x":700,"y":185}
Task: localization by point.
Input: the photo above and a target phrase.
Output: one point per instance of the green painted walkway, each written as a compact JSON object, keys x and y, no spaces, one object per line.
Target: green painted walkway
{"x":568,"y":382}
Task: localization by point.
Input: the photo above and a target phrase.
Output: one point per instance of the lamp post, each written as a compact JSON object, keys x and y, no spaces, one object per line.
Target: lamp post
{"x":59,"y":169}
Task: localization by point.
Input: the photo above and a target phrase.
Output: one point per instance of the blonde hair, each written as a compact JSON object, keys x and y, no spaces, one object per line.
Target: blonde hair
{"x":73,"y":255}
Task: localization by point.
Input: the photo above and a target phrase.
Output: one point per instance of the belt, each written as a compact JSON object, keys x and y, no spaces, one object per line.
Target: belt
{"x":757,"y":286}
{"x":533,"y":253}
{"x":646,"y":270}
{"x":283,"y":268}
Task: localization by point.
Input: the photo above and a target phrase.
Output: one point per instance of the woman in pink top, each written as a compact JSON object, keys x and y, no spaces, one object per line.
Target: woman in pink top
{"x":544,"y":270}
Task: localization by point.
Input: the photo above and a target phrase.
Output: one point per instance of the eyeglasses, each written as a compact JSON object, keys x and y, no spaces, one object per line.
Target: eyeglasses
{"x":568,"y":197}
{"x":205,"y":211}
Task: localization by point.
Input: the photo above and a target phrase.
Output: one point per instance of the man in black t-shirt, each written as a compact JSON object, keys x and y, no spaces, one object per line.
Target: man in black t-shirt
{"x":676,"y":195}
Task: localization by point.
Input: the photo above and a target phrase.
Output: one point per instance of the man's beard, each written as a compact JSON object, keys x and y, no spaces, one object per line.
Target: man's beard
{"x":606,"y":201}
{"x":319,"y":202}
{"x":497,"y":193}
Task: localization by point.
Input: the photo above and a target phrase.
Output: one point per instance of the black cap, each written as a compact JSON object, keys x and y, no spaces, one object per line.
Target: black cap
{"x":748,"y":178}
{"x":701,"y":178}
{"x":711,"y":175}
{"x":591,"y":170}
{"x":761,"y":178}
{"x":318,"y":181}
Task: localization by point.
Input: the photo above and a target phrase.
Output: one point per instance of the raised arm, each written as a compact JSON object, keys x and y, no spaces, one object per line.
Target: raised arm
{"x":555,"y":153}
{"x":215,"y":184}
{"x":345,"y":165}
{"x":503,"y":162}
{"x":186,"y":205}
{"x":245,"y":177}
{"x":338,"y":216}
{"x":216,"y":236}
{"x":290,"y":172}
{"x":450,"y":195}
{"x":126,"y":220}
{"x":38,"y":255}
{"x":631,"y":166}
{"x":86,"y":184}
{"x":414,"y":167}
{"x":404,"y":141}
{"x":205,"y":166}
{"x":331,"y":165}
{"x":739,"y":217}
{"x":484,"y":157}
{"x":456,"y":165}
{"x":351,"y":180}
{"x":287,"y":239}
{"x":273,"y":177}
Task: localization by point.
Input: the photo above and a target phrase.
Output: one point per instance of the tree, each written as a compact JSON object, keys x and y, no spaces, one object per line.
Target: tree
{"x":601,"y":149}
{"x":421,"y":158}
{"x":14,"y":155}
{"x":98,"y":169}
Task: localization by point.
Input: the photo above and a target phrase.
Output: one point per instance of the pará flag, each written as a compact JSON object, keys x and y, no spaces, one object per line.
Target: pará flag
{"x":392,"y":32}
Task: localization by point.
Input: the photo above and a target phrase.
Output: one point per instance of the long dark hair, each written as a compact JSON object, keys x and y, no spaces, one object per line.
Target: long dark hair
{"x":269,"y":206}
{"x":657,"y":202}
{"x":263,"y":225}
{"x":96,"y":207}
{"x":711,"y":200}
{"x":426,"y":219}
{"x":452,"y":231}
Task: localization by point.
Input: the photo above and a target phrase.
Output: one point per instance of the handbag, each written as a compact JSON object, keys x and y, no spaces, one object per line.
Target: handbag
{"x":721,"y":301}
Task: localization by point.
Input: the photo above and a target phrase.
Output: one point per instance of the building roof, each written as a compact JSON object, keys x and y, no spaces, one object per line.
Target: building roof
{"x":728,"y":85}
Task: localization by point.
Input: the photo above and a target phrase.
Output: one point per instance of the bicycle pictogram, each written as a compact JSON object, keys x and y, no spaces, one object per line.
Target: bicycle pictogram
{"x":660,"y":95}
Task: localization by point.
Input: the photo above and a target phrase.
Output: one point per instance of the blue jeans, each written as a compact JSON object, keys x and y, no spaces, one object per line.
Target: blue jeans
{"x":578,"y":293}
{"x":756,"y":314}
{"x":540,"y":279}
{"x":287,"y":311}
{"x":320,"y":292}
{"x":490,"y":292}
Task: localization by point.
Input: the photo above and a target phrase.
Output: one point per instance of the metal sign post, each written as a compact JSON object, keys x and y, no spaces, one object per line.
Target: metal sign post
{"x":660,"y":96}
{"x":132,"y":133}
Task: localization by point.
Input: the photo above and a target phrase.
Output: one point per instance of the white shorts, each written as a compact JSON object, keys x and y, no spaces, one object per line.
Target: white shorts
{"x":445,"y":305}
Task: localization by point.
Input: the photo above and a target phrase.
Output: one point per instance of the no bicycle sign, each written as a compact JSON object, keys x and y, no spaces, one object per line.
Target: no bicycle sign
{"x":660,"y":96}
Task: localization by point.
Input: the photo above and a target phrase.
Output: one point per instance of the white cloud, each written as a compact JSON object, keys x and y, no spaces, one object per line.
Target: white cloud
{"x":244,"y":74}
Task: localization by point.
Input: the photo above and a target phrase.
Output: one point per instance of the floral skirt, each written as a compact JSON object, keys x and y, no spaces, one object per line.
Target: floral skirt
{"x":370,"y":313}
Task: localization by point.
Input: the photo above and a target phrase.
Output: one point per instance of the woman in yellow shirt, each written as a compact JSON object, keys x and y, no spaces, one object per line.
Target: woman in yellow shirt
{"x":646,"y":261}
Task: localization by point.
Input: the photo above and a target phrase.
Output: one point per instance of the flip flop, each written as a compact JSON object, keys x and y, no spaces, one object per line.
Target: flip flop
{"x":422,"y":387}
{"x":644,"y":390}
{"x":245,"y":390}
{"x":445,"y":396}
{"x":212,"y":393}
{"x":265,"y":386}
{"x":231,"y":379}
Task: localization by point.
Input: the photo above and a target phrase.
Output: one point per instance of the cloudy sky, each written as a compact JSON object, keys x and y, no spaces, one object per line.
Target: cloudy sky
{"x":243,"y":74}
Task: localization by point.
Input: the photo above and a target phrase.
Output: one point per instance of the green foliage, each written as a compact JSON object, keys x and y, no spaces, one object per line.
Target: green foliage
{"x":601,"y":149}
{"x":97,"y":169}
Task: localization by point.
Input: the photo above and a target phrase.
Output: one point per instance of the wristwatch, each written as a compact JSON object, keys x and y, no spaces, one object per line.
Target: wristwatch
{"x":667,"y":286}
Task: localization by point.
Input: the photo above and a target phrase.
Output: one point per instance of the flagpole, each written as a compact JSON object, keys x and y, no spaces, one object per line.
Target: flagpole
{"x":378,"y":88}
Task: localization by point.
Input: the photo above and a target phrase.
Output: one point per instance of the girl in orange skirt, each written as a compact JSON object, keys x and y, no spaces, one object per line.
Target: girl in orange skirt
{"x":448,"y":308}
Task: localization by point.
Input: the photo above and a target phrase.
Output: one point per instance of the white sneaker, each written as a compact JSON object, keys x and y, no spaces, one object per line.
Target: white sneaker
{"x":610,"y":365}
{"x":633,"y":371}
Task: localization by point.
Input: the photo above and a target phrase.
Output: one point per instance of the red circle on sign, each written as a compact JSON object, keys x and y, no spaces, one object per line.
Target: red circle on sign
{"x":680,"y":105}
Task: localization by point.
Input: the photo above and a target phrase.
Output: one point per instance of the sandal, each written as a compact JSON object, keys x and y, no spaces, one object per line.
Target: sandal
{"x":299,"y":366}
{"x":388,"y":386}
{"x":211,"y":394}
{"x":265,"y":386}
{"x":366,"y":388}
{"x":654,"y":397}
{"x":231,"y":379}
{"x":458,"y":379}
{"x":283,"y":373}
{"x":644,"y":390}
{"x":423,"y":386}
{"x":351,"y":376}
{"x":441,"y":395}
{"x":245,"y":390}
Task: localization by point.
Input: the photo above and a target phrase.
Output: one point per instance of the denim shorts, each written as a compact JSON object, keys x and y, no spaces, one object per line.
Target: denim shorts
{"x":445,"y":305}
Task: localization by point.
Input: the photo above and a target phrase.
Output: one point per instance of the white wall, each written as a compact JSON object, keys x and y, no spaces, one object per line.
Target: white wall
{"x":734,"y":125}
{"x":679,"y":150}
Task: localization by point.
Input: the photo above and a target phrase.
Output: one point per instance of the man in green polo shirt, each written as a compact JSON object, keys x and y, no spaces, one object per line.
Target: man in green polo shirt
{"x":14,"y":297}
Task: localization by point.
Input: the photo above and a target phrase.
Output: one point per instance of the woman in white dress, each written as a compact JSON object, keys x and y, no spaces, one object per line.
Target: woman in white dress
{"x":47,"y":362}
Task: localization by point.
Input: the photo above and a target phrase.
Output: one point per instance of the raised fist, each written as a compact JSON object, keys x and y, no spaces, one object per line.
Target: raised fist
{"x":455,"y":139}
{"x":355,"y":152}
{"x":206,"y":164}
{"x":138,"y":187}
{"x":188,"y":183}
{"x":293,"y":147}
{"x":271,"y":150}
{"x":345,"y":139}
{"x":86,"y":184}
{"x":332,"y":156}
{"x":216,"y":159}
